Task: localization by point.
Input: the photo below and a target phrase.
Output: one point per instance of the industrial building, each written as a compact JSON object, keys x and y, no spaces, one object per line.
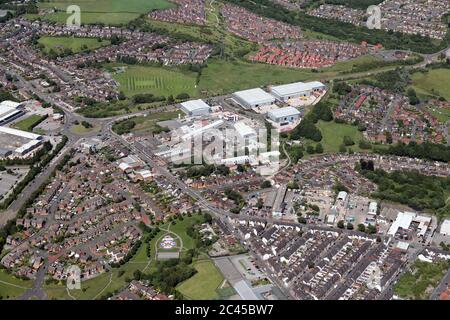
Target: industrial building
{"x":296,"y":90}
{"x":195,"y":108}
{"x":284,"y":116}
{"x":244,"y":131}
{"x":17,"y":142}
{"x":9,"y":111}
{"x":253,"y":98}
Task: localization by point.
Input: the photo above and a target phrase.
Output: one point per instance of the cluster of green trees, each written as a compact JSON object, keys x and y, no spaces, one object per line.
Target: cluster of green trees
{"x":342,"y":88}
{"x":169,"y":273}
{"x":342,"y":30}
{"x":426,"y":150}
{"x":206,"y":171}
{"x":124,"y":126}
{"x":418,"y":191}
{"x":194,"y":232}
{"x":366,"y":66}
{"x":147,"y":98}
{"x":307,"y":128}
{"x":238,"y":199}
{"x":393,"y":80}
{"x":412,"y":95}
{"x":295,"y":152}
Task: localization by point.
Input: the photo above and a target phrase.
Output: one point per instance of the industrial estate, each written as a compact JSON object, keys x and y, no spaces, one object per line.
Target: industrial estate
{"x":224,"y":150}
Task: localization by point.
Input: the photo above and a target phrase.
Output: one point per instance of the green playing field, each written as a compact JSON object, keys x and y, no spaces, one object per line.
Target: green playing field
{"x":158,"y":81}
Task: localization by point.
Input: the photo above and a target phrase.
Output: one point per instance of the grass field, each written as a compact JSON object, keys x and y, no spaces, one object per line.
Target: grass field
{"x":112,"y":12}
{"x":12,"y":287}
{"x":419,"y":283}
{"x":180,"y":229}
{"x":333,"y":134}
{"x":225,"y":76}
{"x":442,"y":114}
{"x":58,"y":44}
{"x":81,"y":130}
{"x":149,"y":123}
{"x":435,"y":83}
{"x":156,"y":80}
{"x":29,"y":123}
{"x":203,"y":285}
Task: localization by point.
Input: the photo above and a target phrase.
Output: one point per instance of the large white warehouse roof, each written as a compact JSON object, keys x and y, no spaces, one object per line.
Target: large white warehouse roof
{"x":283,"y":112}
{"x":255,"y":96}
{"x":9,"y":104}
{"x":195,"y":105}
{"x":295,"y":88}
{"x":20,"y":133}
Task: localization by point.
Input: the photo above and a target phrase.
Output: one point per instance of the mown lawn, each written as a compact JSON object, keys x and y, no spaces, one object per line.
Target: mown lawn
{"x":203,"y":285}
{"x":59,"y":44}
{"x":29,"y":123}
{"x":180,"y":228}
{"x":333,"y":135}
{"x":81,"y":130}
{"x":435,"y":83}
{"x":12,"y":287}
{"x":111,"y":12}
{"x":158,"y":81}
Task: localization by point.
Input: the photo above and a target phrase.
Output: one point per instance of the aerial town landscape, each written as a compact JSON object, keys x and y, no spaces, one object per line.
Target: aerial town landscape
{"x":224,"y":150}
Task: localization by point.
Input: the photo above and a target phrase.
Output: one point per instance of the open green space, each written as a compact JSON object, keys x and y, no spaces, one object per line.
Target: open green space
{"x":441,"y":114}
{"x":434,"y":83}
{"x":421,"y":280}
{"x":333,"y":135}
{"x":111,"y":12}
{"x":82,"y":130}
{"x":160,"y":81}
{"x":180,"y":228}
{"x":144,"y":124}
{"x":28,"y":123}
{"x":225,"y":76}
{"x":12,"y":287}
{"x":59,"y":44}
{"x":203,"y":285}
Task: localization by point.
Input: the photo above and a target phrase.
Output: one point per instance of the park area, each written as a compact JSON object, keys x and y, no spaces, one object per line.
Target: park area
{"x":420,"y":282}
{"x":333,"y":135}
{"x":204,"y":284}
{"x":75,"y":45}
{"x":159,"y":81}
{"x":12,"y":287}
{"x":110,"y":12}
{"x":434,"y":82}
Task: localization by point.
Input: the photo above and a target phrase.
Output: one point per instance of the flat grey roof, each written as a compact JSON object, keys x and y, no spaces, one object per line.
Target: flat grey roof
{"x":297,"y":87}
{"x":254,"y":96}
{"x":284,"y":112}
{"x":194,"y":105}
